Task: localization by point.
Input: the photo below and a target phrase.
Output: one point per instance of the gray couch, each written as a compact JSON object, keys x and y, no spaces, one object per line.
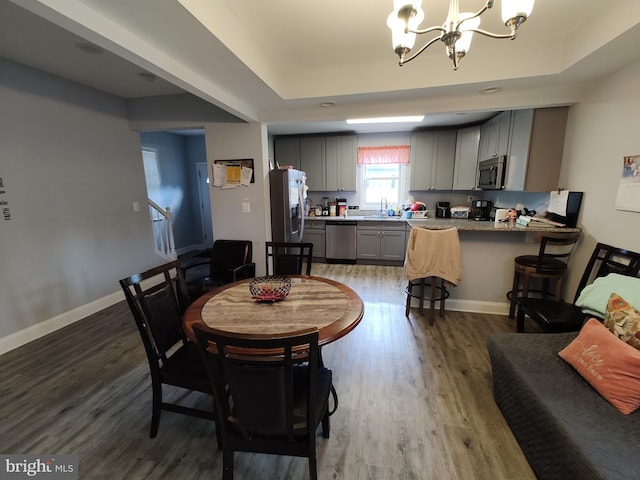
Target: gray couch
{"x":564,"y":427}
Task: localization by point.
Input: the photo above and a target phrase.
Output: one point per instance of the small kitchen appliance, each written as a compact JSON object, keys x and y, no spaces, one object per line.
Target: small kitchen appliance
{"x":491,"y":173}
{"x":460,"y":212}
{"x":442,"y":210}
{"x":482,"y":209}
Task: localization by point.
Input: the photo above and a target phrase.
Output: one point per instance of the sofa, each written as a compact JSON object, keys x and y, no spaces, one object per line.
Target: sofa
{"x":565,"y":428}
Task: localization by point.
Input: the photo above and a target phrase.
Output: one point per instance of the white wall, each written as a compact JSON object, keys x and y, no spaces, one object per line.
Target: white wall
{"x":241,"y":141}
{"x":71,"y":169}
{"x":602,"y":129}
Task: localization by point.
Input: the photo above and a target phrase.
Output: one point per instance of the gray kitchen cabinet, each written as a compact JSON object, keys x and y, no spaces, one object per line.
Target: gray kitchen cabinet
{"x":341,"y":159}
{"x":314,"y":232}
{"x":381,"y":241}
{"x":537,"y":145}
{"x":287,"y":151}
{"x":313,"y":162}
{"x":466,"y":161}
{"x":494,"y":136}
{"x":432,"y":160}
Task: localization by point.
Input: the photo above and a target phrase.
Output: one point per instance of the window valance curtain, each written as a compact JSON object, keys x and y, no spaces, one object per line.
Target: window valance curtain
{"x":383,"y":155}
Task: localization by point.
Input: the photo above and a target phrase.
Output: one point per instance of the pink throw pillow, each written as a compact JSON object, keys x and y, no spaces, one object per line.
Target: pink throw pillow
{"x":611,"y":366}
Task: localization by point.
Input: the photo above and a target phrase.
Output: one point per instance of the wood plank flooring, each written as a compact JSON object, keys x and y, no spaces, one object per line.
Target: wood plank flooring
{"x":415,"y":400}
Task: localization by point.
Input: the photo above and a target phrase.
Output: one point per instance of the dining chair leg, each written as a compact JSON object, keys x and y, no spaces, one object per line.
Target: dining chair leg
{"x":313,"y":463}
{"x":156,"y":408}
{"x":227,"y":465}
{"x":326,"y":424}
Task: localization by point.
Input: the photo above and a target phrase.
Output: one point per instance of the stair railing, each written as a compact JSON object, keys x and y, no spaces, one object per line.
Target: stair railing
{"x":161,"y":220}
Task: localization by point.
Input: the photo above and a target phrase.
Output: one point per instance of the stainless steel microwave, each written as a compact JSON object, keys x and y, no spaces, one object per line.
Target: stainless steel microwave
{"x":491,"y":173}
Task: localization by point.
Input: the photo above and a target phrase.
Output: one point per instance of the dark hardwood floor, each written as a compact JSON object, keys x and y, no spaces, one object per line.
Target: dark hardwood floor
{"x":415,"y":400}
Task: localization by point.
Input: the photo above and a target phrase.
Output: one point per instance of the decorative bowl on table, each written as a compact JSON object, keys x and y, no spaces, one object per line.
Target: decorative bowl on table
{"x":269,"y":289}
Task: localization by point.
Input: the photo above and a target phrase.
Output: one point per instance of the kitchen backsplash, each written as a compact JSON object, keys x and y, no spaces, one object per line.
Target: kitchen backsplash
{"x":501,"y":199}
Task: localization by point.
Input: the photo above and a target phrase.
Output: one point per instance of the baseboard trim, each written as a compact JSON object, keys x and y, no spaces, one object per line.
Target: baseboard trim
{"x":472,"y":306}
{"x":29,"y":334}
{"x":22,"y":337}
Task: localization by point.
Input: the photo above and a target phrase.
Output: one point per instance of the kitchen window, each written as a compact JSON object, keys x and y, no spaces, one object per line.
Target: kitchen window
{"x":383,"y":173}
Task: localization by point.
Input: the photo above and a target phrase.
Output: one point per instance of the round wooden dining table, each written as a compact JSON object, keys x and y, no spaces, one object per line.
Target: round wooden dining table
{"x":330,"y":306}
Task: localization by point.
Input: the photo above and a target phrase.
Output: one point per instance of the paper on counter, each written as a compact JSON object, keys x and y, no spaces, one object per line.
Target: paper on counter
{"x":558,"y":202}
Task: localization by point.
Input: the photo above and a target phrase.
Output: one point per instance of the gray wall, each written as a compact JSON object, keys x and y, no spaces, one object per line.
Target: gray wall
{"x":601,"y":130}
{"x":177,"y":173}
{"x":71,"y":170}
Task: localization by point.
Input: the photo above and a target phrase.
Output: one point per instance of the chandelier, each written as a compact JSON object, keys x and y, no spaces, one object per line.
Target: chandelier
{"x":457,"y":30}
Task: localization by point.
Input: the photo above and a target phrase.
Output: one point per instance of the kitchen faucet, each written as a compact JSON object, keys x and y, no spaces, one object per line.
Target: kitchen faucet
{"x":386,"y":205}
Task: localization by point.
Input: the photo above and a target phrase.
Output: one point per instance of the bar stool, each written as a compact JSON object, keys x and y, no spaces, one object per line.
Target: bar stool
{"x":550,"y":264}
{"x":432,"y":260}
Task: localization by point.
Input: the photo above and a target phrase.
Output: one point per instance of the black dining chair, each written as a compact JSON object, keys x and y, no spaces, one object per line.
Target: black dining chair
{"x":229,"y":261}
{"x":157,"y":299}
{"x":270,"y":393}
{"x":559,"y":316}
{"x":289,"y":258}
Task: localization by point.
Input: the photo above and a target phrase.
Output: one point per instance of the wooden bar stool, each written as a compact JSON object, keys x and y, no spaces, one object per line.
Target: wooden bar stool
{"x":433,"y":258}
{"x":550,"y":264}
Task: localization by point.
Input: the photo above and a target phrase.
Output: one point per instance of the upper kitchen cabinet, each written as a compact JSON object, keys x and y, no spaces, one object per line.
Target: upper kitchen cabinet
{"x":537,"y":144}
{"x":494,"y":136}
{"x":287,"y":151}
{"x":466,"y":160}
{"x":341,"y":159}
{"x":432,"y":160}
{"x":313,"y":162}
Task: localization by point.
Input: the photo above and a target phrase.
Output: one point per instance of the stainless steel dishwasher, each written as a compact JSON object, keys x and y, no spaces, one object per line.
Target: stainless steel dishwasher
{"x":340,"y":241}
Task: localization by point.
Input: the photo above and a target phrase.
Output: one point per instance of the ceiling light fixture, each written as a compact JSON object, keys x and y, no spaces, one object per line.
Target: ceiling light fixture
{"x":408,"y":119}
{"x":457,"y":30}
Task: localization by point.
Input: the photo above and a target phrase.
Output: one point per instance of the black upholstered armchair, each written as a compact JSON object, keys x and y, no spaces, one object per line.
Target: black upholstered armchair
{"x":230,"y":260}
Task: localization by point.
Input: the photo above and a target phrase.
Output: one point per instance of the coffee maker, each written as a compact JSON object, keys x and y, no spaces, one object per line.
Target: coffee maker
{"x":482,"y":209}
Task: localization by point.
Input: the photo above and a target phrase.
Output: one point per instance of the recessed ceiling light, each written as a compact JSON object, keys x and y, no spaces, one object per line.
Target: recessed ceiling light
{"x":328,"y":104}
{"x":491,"y":89}
{"x":408,"y":119}
{"x":91,"y":48}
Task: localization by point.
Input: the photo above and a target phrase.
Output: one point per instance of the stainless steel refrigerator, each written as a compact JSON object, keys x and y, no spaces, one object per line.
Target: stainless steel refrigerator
{"x":288,"y":200}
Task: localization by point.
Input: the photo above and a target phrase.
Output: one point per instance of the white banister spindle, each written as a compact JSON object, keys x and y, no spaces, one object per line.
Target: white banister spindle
{"x":161,"y":220}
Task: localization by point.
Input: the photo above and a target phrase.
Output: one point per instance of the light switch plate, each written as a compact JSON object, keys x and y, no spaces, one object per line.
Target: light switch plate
{"x":246,"y":207}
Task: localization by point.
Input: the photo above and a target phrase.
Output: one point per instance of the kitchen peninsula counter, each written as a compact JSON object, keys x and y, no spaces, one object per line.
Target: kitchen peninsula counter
{"x":481,"y":226}
{"x":444,"y":223}
{"x":487,"y":254}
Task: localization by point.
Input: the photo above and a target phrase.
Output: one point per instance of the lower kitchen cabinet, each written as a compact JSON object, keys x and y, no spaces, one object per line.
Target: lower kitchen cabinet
{"x":314,"y":232}
{"x":381,"y":241}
